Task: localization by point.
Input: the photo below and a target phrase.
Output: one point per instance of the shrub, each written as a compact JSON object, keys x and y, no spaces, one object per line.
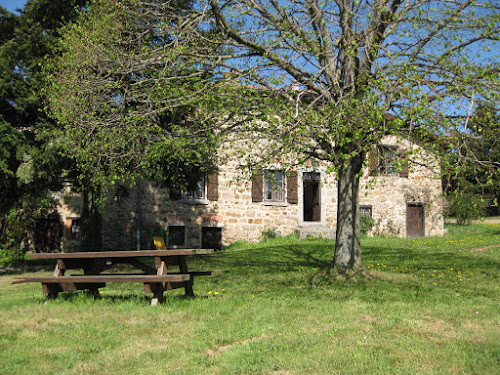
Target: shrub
{"x":465,"y":208}
{"x":10,"y":255}
{"x":270,"y":234}
{"x":366,"y":223}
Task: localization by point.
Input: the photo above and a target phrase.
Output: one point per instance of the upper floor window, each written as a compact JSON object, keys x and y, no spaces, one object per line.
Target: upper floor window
{"x":199,"y":192}
{"x":206,"y":189}
{"x":387,"y":160}
{"x":274,"y":186}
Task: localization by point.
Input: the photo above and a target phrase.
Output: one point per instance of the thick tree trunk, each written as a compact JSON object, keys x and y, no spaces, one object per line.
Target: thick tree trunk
{"x":347,"y":245}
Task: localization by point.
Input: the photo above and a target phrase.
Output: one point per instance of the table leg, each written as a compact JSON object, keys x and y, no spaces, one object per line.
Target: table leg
{"x":158,"y":288}
{"x":60,"y":268}
{"x":183,"y":268}
{"x":51,"y":290}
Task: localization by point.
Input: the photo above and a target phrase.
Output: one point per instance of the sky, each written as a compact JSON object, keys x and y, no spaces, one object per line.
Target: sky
{"x":12,"y":5}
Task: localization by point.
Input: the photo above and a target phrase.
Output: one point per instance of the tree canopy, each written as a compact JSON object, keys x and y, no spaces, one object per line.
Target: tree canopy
{"x":121,"y":97}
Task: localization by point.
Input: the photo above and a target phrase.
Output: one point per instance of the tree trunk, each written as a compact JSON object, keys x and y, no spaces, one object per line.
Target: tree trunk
{"x":91,"y":239}
{"x":347,"y":244}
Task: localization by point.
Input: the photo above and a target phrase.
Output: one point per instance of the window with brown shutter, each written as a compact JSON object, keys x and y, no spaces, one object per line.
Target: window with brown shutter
{"x":292,"y":188}
{"x":404,"y":164}
{"x":213,"y":187}
{"x":257,"y":188}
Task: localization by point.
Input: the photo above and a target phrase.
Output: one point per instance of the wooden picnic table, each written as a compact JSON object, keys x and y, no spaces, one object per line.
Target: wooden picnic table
{"x":156,"y":279}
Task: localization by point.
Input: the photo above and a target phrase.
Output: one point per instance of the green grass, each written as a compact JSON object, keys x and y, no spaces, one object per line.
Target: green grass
{"x":431,"y":306}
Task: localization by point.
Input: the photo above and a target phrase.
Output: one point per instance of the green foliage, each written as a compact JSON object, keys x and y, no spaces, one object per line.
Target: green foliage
{"x":122,"y":98}
{"x":29,"y":164}
{"x":10,"y":254}
{"x":465,"y":207}
{"x":270,"y":234}
{"x":366,"y":224}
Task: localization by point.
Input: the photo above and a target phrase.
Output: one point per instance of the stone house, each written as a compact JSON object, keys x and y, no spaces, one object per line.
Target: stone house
{"x":403,"y":199}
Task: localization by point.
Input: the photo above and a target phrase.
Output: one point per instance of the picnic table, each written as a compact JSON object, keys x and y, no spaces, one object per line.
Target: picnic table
{"x":158,"y":278}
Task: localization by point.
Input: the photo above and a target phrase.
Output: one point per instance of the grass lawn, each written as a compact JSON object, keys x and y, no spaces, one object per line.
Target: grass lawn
{"x":431,"y":306}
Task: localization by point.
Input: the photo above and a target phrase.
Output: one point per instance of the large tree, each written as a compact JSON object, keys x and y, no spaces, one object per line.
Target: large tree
{"x":27,"y":169}
{"x":332,"y":78}
{"x":121,"y":97}
{"x":121,"y":101}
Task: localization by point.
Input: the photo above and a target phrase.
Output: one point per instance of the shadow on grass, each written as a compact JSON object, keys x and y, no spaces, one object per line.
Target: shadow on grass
{"x":84,"y":296}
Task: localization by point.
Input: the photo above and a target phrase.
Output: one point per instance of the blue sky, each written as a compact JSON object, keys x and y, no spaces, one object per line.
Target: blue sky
{"x":12,"y":5}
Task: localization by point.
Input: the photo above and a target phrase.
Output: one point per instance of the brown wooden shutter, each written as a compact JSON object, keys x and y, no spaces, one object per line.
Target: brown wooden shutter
{"x":404,"y":163}
{"x":175,"y":193}
{"x":257,"y":187}
{"x":213,"y":187}
{"x":373,"y":162}
{"x":292,"y":188}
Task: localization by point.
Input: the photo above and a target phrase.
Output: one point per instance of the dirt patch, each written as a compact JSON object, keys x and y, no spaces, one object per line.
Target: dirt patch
{"x":478,"y":250}
{"x":438,"y":326}
{"x":217,"y":351}
{"x":368,"y":318}
{"x":24,"y":269}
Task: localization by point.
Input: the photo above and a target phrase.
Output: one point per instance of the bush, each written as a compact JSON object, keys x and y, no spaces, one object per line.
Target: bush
{"x":366,"y":224}
{"x":465,"y":208}
{"x":10,"y":255}
{"x":270,"y":234}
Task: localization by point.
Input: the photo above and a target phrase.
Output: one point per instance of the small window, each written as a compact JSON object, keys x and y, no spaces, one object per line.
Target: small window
{"x":274,"y":186}
{"x":75,"y":228}
{"x":72,"y":231}
{"x":211,"y":238}
{"x":365,"y":210}
{"x":176,"y":236}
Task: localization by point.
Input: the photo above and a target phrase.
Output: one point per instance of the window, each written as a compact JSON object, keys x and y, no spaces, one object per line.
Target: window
{"x":197,"y":193}
{"x":72,"y":231}
{"x":176,"y":236}
{"x":211,"y":238}
{"x":387,"y":161}
{"x":273,"y":186}
{"x":75,"y":228}
{"x":365,"y":210}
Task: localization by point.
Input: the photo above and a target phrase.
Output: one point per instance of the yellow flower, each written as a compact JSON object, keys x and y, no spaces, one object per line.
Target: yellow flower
{"x":216,"y":293}
{"x":210,"y":292}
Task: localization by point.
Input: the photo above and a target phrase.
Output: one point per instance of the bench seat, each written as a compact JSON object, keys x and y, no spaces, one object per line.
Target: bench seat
{"x":103,"y":279}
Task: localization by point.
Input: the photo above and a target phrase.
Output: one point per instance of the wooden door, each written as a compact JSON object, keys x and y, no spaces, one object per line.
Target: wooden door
{"x":415,"y":220}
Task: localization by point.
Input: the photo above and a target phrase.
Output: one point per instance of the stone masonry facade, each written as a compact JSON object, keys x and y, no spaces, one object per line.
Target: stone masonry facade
{"x":228,"y":208}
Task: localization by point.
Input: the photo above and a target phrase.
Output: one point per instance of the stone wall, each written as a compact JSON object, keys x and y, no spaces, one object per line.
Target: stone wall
{"x":241,"y":219}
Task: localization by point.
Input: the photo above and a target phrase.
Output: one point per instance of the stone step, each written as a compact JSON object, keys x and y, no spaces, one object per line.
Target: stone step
{"x":316,"y":232}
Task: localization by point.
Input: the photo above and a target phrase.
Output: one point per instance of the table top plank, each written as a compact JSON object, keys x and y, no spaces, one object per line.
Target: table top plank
{"x":121,"y":254}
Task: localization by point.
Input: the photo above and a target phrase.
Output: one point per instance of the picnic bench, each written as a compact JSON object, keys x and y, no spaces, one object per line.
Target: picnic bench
{"x":156,"y":279}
